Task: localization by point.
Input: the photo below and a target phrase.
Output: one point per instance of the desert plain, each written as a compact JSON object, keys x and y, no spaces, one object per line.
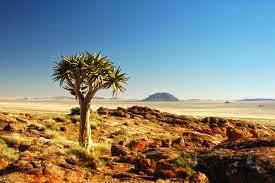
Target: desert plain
{"x":262,"y":112}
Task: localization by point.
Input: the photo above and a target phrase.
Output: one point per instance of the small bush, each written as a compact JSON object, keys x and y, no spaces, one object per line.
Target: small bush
{"x":101,"y":148}
{"x":37,"y":127}
{"x":120,"y":132}
{"x":75,"y":119}
{"x":8,"y":153}
{"x":75,"y":111}
{"x":51,"y":136}
{"x":83,"y":155}
{"x":50,"y":126}
{"x":60,"y":119}
{"x":119,"y":135}
{"x":13,"y":140}
{"x":94,"y":126}
{"x":187,"y":161}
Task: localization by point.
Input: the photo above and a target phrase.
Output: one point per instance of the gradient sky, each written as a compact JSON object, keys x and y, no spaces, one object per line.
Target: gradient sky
{"x":193,"y":49}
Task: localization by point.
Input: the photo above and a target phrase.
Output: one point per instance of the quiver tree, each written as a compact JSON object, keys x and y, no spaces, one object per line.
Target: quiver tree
{"x":83,"y":75}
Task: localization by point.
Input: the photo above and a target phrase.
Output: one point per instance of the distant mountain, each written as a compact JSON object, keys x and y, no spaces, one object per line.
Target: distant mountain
{"x":161,"y":97}
{"x":257,"y":99}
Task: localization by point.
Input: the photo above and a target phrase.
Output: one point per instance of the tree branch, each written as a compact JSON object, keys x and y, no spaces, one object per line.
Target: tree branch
{"x":76,"y":90}
{"x":92,"y":91}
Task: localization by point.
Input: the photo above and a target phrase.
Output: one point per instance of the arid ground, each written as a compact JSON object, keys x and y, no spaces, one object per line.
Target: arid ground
{"x":259,"y":112}
{"x":135,"y":144}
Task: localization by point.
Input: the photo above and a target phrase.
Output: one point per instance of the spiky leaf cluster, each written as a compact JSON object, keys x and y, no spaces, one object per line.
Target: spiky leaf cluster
{"x":84,"y":74}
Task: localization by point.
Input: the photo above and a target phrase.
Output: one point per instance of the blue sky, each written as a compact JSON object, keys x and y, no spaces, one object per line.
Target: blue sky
{"x":192,"y":49}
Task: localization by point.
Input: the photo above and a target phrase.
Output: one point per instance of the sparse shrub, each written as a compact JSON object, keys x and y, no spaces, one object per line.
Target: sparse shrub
{"x":122,"y":131}
{"x":83,"y":155}
{"x":50,"y":136}
{"x":155,"y":120}
{"x":75,"y":111}
{"x":97,"y":158}
{"x":60,"y":119}
{"x":13,"y":140}
{"x":50,"y":126}
{"x":75,"y":119}
{"x":101,"y":148}
{"x":187,"y":161}
{"x":126,"y":124}
{"x":37,"y":127}
{"x":56,"y":139}
{"x":102,"y":111}
{"x":8,"y":153}
{"x":101,"y":162}
{"x":94,"y":126}
{"x":120,"y":135}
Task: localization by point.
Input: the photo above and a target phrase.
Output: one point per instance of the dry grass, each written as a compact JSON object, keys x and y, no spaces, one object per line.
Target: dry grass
{"x":7,"y":119}
{"x":37,"y":126}
{"x":98,"y":156}
{"x":7,"y":152}
{"x":56,"y":138}
{"x":82,"y":154}
{"x":101,"y":149}
{"x":13,"y":139}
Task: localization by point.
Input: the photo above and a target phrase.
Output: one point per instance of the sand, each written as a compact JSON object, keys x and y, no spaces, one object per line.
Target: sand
{"x":260,"y":112}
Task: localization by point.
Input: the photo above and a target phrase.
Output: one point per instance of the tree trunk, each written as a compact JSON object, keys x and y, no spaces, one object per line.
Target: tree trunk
{"x":85,"y":134}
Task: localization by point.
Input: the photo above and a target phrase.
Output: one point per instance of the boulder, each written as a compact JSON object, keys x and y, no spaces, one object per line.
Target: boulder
{"x":244,"y":160}
{"x":118,"y":150}
{"x":166,"y":143}
{"x":156,"y":143}
{"x":13,"y":128}
{"x":59,"y":119}
{"x":3,"y":163}
{"x":24,"y":147}
{"x":167,"y":170}
{"x":165,"y":163}
{"x":138,"y":145}
{"x":199,"y":177}
{"x":235,"y":134}
{"x":145,"y":165}
{"x":179,"y":142}
{"x":63,"y":129}
{"x":161,"y":153}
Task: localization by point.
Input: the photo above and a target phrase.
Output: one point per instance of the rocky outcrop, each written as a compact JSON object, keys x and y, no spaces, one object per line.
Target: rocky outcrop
{"x":250,"y":161}
{"x":31,"y":167}
{"x":165,"y":163}
{"x":3,"y":163}
{"x":231,"y":129}
{"x":119,"y":150}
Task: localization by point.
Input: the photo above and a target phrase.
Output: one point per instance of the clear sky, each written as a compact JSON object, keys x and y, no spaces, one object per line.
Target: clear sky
{"x":193,"y":49}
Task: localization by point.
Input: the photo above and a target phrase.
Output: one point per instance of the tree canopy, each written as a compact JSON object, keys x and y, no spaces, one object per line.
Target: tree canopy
{"x":85,"y":73}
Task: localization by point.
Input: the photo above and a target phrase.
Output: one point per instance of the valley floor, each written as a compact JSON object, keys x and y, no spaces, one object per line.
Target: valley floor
{"x":258,"y":112}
